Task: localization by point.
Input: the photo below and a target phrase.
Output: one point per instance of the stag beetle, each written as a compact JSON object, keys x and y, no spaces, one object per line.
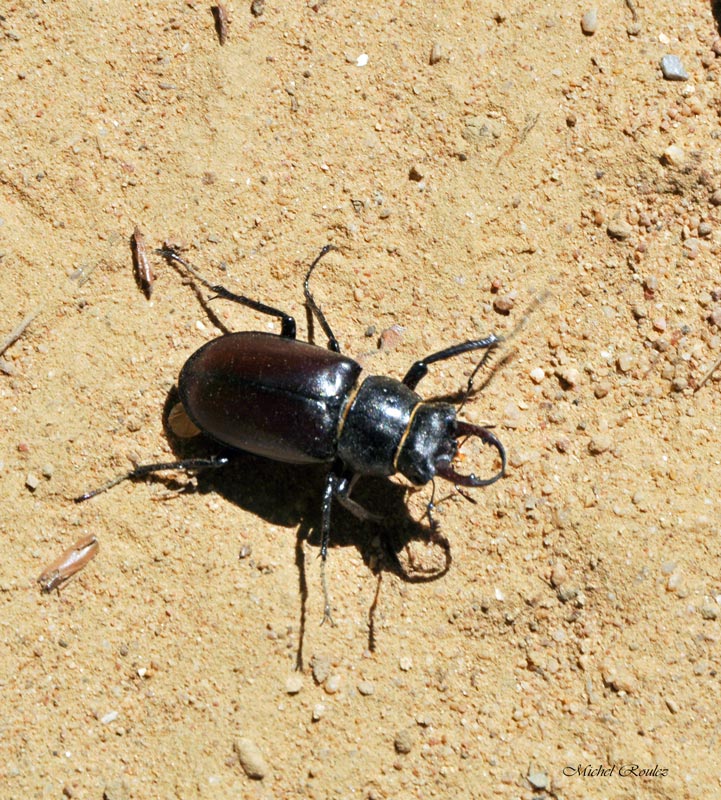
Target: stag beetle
{"x":296,"y":402}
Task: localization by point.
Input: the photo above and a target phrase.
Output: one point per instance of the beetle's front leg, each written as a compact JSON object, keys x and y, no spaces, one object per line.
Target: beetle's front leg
{"x":345,"y":487}
{"x":420,"y":369}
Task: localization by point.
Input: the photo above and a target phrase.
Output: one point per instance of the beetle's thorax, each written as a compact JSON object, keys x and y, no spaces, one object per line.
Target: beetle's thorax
{"x":385,"y":428}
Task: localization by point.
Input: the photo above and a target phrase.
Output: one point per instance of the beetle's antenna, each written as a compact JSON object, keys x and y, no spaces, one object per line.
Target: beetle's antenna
{"x":506,"y":353}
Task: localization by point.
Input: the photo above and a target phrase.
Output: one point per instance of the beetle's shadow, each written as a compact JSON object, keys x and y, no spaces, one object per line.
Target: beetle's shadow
{"x":289,"y":496}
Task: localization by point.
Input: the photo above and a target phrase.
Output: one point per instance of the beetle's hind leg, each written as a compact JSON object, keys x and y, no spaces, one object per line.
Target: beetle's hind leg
{"x":287,"y":323}
{"x":188,"y":465}
{"x":338,"y":485}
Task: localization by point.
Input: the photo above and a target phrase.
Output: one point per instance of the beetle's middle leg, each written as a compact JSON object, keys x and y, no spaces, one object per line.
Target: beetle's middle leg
{"x":329,"y":492}
{"x":188,"y":465}
{"x":287,"y":323}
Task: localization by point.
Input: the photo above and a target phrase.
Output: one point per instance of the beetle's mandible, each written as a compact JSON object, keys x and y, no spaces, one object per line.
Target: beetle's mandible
{"x":292,"y":401}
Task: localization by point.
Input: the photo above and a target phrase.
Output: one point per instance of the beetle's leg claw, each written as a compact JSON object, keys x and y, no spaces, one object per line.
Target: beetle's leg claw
{"x":327,"y":616}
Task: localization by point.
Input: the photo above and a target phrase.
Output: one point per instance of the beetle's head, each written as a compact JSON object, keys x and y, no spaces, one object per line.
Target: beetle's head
{"x":431,"y":444}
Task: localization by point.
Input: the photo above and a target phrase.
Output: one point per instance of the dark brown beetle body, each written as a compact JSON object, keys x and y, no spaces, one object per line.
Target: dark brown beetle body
{"x":295,"y":402}
{"x":292,"y":401}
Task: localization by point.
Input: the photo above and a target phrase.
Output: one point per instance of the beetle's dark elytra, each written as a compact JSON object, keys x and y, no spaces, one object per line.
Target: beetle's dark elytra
{"x":268,"y":395}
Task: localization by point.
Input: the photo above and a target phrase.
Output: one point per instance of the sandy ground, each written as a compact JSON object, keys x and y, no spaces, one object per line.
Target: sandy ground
{"x":578,"y":625}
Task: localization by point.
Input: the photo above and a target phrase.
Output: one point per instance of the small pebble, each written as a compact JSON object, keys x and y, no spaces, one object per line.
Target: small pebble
{"x":391,"y":337}
{"x":679,"y":384}
{"x":47,"y":471}
{"x":7,"y":367}
{"x":116,"y":790}
{"x":709,"y":610}
{"x":619,"y":680}
{"x":320,"y":666}
{"x":618,"y":229}
{"x":366,"y":688}
{"x":537,"y":375}
{"x":436,"y":54}
{"x":674,"y":582}
{"x":294,"y":683}
{"x":589,"y":22}
{"x":673,"y":156}
{"x":672,"y":69}
{"x":405,"y":663}
{"x":563,"y":445}
{"x":641,"y":500}
{"x":650,"y":286}
{"x":716,"y":198}
{"x":318,"y":711}
{"x":558,"y":574}
{"x":705,"y":229}
{"x":538,"y":779}
{"x":111,"y":716}
{"x":569,"y":376}
{"x":601,"y":389}
{"x":251,"y":759}
{"x":504,"y":303}
{"x":362,"y":60}
{"x":32,"y":481}
{"x":567,"y":593}
{"x":715,"y":317}
{"x":624,"y":362}
{"x":415,"y":173}
{"x":600,"y":444}
{"x":257,"y":7}
{"x":671,"y":705}
{"x":404,"y":741}
{"x":332,"y":685}
{"x":691,"y":248}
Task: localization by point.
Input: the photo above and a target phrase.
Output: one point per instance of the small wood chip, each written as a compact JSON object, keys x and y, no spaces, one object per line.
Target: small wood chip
{"x":17,"y":332}
{"x":143,"y":271}
{"x":220,"y":15}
